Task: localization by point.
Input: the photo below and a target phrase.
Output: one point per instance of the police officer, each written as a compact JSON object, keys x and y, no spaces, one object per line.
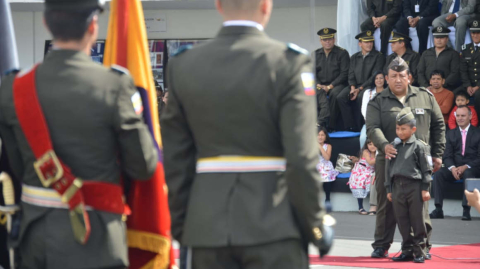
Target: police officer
{"x":226,"y":147}
{"x":93,"y":129}
{"x":332,"y":64}
{"x":399,"y":43}
{"x":381,"y":129}
{"x":470,"y":71}
{"x":363,"y":65}
{"x":440,"y":57}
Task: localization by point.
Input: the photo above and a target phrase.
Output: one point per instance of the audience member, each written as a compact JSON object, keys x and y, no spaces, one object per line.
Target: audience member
{"x":442,"y":58}
{"x":332,"y":64}
{"x":420,"y":15}
{"x":456,"y":13}
{"x":363,"y":66}
{"x":325,"y":166}
{"x":399,"y":43}
{"x":473,"y":199}
{"x":377,"y":87}
{"x":443,"y":96}
{"x":382,"y":14}
{"x":461,"y":99}
{"x":461,"y":159}
{"x":361,"y":179}
{"x":470,"y":71}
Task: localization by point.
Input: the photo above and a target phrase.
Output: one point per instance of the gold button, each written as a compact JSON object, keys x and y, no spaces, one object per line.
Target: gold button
{"x":475,"y":69}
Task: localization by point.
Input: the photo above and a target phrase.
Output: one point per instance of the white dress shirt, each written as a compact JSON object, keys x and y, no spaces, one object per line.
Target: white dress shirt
{"x":466,"y":129}
{"x":367,"y":96}
{"x":243,"y":23}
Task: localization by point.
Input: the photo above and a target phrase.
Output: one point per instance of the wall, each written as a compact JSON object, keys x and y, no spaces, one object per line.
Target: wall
{"x":288,"y":25}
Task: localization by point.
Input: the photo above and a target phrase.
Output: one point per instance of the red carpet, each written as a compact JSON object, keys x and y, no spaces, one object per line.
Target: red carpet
{"x":450,"y":252}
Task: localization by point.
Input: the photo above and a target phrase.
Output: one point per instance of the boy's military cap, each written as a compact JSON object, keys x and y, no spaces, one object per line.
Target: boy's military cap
{"x":399,"y":37}
{"x":475,"y":26}
{"x":366,"y":36}
{"x":405,"y":116}
{"x":398,"y":64}
{"x":440,"y":31}
{"x":326,"y":33}
{"x":72,"y":5}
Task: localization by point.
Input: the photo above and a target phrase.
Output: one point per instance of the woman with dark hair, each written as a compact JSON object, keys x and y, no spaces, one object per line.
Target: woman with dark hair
{"x":379,"y":83}
{"x":325,"y":166}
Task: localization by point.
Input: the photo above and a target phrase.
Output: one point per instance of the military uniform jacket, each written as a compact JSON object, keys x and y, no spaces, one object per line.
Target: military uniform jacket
{"x":382,"y":112}
{"x":95,"y":131}
{"x":244,"y":96}
{"x":448,"y":61}
{"x":411,"y":57}
{"x":470,"y":71}
{"x":334,"y":69}
{"x":361,"y":70}
{"x":389,"y":8}
{"x":412,"y":161}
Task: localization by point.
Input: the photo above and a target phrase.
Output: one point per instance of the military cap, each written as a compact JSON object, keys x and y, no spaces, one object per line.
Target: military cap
{"x":326,"y":33}
{"x":398,"y":64}
{"x":366,"y":36}
{"x":72,"y":5}
{"x":440,"y":31}
{"x":405,"y":116}
{"x":475,"y":26}
{"x":399,"y":37}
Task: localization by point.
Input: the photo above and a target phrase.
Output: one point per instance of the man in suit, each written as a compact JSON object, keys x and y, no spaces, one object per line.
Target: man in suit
{"x":420,"y":15}
{"x":229,"y":131}
{"x":382,"y":14}
{"x":456,"y":13}
{"x":461,"y":159}
{"x":94,"y":129}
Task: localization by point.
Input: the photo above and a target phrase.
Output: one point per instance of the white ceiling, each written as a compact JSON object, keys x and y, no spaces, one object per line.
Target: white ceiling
{"x":37,"y":5}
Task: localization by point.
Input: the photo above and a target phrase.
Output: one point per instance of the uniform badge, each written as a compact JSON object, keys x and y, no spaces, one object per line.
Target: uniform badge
{"x":419,"y":111}
{"x":475,"y":23}
{"x":308,"y":81}
{"x":392,"y":34}
{"x":429,"y":160}
{"x":325,"y":30}
{"x":369,"y":33}
{"x":439,"y":29}
{"x":137,"y":103}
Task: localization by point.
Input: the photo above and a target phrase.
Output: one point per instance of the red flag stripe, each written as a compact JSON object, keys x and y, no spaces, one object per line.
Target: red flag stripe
{"x":122,"y":29}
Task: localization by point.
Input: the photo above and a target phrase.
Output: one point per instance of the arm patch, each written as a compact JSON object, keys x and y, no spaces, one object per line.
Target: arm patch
{"x":119,"y":69}
{"x":297,"y":49}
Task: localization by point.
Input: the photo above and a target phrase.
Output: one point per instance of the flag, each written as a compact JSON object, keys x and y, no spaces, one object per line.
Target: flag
{"x":8,"y":48}
{"x":148,"y":228}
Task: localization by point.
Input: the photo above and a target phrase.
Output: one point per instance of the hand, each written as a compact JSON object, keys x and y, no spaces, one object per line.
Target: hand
{"x":461,"y":170}
{"x":390,"y":151}
{"x":437,"y":164}
{"x":410,"y":21}
{"x":354,"y":159}
{"x":328,"y":88}
{"x":415,"y":22}
{"x":389,"y":196}
{"x":381,"y":19}
{"x":470,"y":90}
{"x":455,"y":173}
{"x":319,"y":87}
{"x":473,"y":198}
{"x":425,"y":196}
{"x":354,"y":94}
{"x":375,"y":22}
{"x":451,"y":18}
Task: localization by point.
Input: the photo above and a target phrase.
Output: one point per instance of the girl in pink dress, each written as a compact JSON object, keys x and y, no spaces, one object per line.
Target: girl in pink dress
{"x":325,"y":166}
{"x":362,"y":174}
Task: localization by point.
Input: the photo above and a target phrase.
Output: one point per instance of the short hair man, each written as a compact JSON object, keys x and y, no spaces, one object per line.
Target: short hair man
{"x":443,"y":96}
{"x":381,"y":129}
{"x":461,"y":159}
{"x":399,"y":43}
{"x":470,"y":71}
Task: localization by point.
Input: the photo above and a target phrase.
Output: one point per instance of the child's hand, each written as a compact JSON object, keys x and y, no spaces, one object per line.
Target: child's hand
{"x":425,"y":196}
{"x":389,"y":196}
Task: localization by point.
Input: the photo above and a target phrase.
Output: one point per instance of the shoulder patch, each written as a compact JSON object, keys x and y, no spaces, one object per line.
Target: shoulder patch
{"x":11,"y":71}
{"x":426,"y":90}
{"x":183,"y":49}
{"x":464,"y":46}
{"x":423,"y":142}
{"x":297,"y":49}
{"x":119,"y":69}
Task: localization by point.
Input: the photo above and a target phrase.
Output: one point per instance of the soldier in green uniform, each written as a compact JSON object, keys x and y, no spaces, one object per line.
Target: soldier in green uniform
{"x":236,"y":140}
{"x":440,"y":57}
{"x":381,"y":129}
{"x":95,"y":130}
{"x":399,"y":43}
{"x":331,"y":64}
{"x":408,"y":184}
{"x":363,"y":65}
{"x":470,"y":71}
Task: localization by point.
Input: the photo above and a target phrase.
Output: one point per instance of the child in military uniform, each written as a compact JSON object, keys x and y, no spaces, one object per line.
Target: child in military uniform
{"x":410,"y":174}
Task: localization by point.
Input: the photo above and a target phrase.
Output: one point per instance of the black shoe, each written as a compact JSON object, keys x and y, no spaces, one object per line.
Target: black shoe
{"x":428,"y":256}
{"x":466,"y":215}
{"x":436,"y":214}
{"x":403,"y":258}
{"x":379,"y":253}
{"x":420,"y":259}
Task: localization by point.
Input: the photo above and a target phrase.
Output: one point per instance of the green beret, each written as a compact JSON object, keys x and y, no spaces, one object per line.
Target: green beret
{"x":398,"y":64}
{"x":405,"y":116}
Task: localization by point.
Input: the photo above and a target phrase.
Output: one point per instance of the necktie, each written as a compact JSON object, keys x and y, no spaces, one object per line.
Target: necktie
{"x":456,"y":6}
{"x":464,"y":141}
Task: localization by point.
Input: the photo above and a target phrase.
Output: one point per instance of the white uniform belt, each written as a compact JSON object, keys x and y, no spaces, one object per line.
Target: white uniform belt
{"x":240,"y":164}
{"x":43,"y":197}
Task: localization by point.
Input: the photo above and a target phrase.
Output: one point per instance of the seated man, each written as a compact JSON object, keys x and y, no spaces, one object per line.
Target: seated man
{"x":382,"y":14}
{"x":443,"y":96}
{"x":418,"y":14}
{"x":440,"y":57}
{"x":399,"y":43}
{"x":456,"y":13}
{"x":470,"y":71}
{"x":461,"y":159}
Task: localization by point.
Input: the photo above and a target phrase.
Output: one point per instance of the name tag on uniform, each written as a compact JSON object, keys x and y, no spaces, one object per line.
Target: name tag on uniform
{"x":417,"y":8}
{"x":419,"y":111}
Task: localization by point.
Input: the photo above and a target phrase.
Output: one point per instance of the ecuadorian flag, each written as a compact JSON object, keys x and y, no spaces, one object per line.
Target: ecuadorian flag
{"x":148,"y":234}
